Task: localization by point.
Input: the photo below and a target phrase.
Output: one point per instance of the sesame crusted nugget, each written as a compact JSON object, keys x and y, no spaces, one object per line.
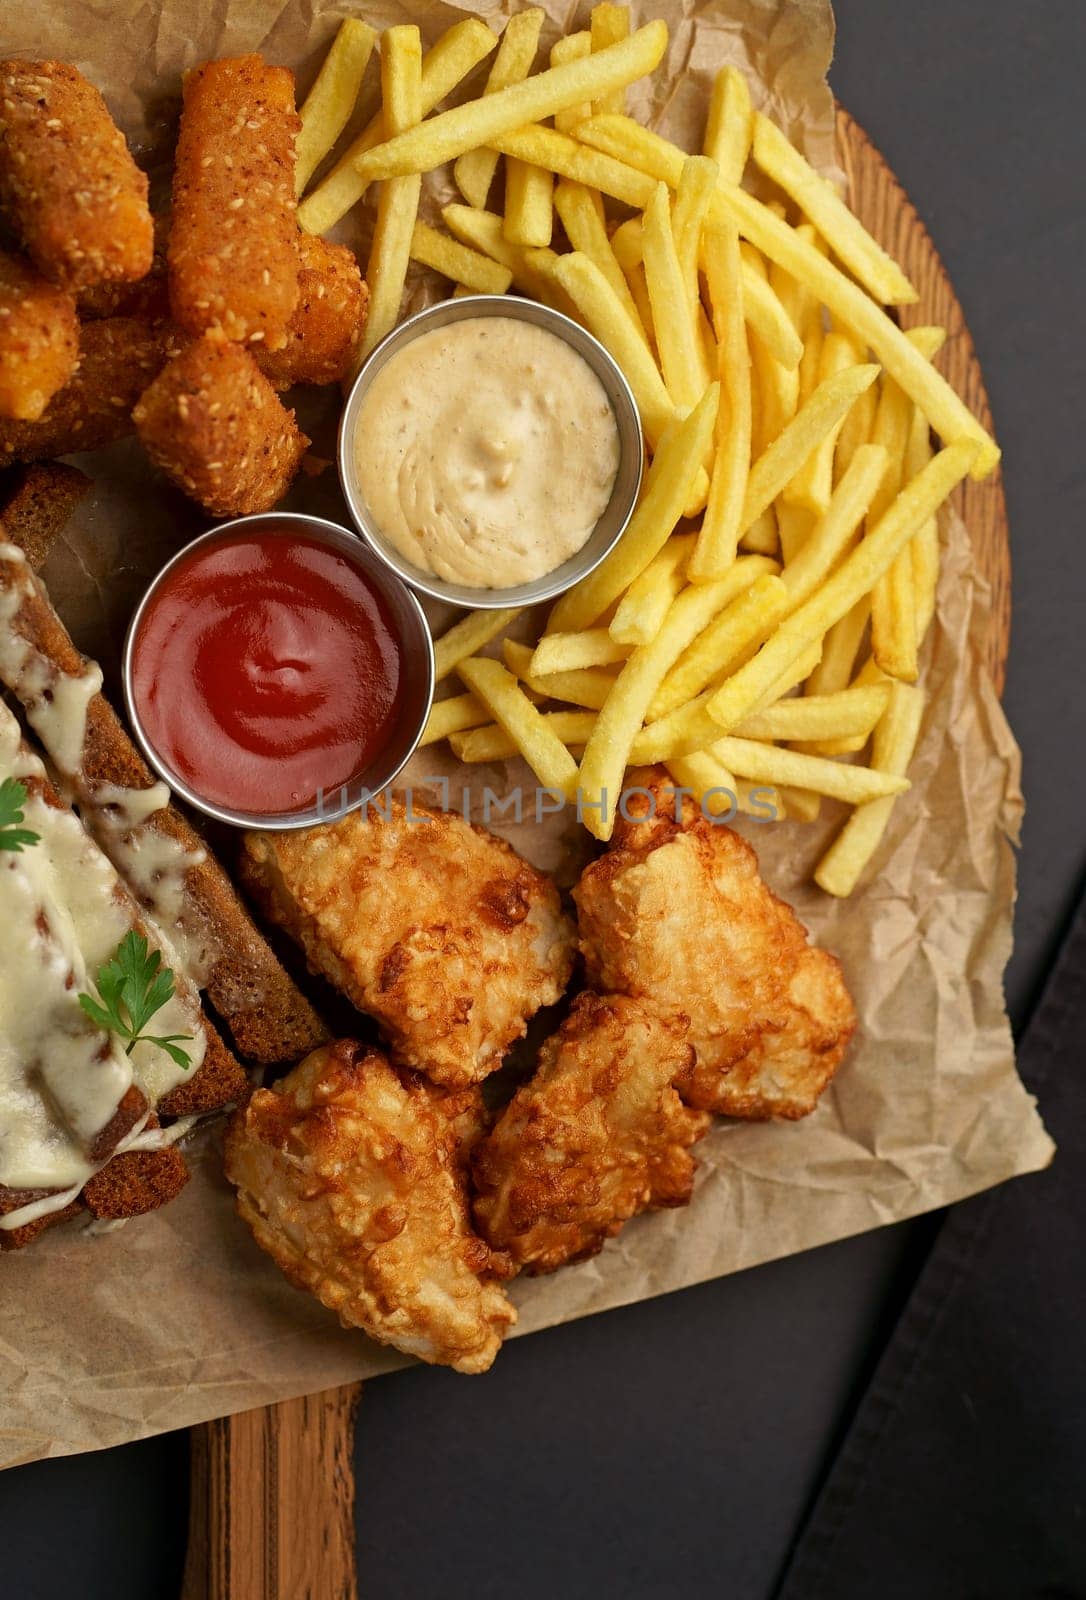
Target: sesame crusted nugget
{"x":67,"y":179}
{"x":215,"y":426}
{"x":118,"y":357}
{"x":39,"y":339}
{"x":233,"y":251}
{"x":328,"y":321}
{"x":147,"y":297}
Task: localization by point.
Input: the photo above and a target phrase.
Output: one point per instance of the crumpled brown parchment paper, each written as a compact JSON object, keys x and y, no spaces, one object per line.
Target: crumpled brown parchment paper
{"x":177,"y":1317}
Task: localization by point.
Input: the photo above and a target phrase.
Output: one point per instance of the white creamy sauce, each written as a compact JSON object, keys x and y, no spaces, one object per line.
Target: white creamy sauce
{"x":62,"y":914}
{"x":487,"y":451}
{"x":154,"y":864}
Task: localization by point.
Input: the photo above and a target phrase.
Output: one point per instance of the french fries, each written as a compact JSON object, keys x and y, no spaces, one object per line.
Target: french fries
{"x":567,"y":652}
{"x":846,"y":235}
{"x":582,"y":218}
{"x":667,"y":487}
{"x":821,"y":413}
{"x":529,"y":214}
{"x":672,"y":309}
{"x":450,"y":716}
{"x":764,"y":763}
{"x":466,"y":637}
{"x":895,"y":740}
{"x":723,"y":521}
{"x":398,"y":205}
{"x":586,"y":687}
{"x":474,"y":171}
{"x":453,"y":133}
{"x":492,"y":743}
{"x":748,"y":616}
{"x":642,"y":609}
{"x":610,"y":24}
{"x":475,"y":272}
{"x":507,"y":703}
{"x":450,"y":60}
{"x":328,"y":105}
{"x":571,"y":47}
{"x":831,"y":716}
{"x":729,"y":128}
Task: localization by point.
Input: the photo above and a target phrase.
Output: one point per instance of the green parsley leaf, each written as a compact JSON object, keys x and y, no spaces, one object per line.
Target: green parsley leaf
{"x":12,"y":801}
{"x":134,"y":985}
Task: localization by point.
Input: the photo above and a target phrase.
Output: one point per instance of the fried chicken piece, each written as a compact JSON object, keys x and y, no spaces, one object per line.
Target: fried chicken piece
{"x":328,"y":320}
{"x":39,"y":339}
{"x":794,"y":1058}
{"x":67,"y":179}
{"x":147,"y":297}
{"x":233,"y":249}
{"x":598,"y":1135}
{"x":118,"y":357}
{"x":214,"y":425}
{"x":434,"y":927}
{"x":677,"y":913}
{"x":350,"y":1176}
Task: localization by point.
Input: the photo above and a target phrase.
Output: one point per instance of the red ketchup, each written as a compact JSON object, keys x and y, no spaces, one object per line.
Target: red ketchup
{"x":266,"y":668}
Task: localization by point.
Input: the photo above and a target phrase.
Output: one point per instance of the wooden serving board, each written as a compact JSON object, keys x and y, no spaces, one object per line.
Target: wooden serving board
{"x":272,"y":1511}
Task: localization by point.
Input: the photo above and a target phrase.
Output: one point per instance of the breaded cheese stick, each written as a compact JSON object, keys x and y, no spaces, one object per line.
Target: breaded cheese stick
{"x":154,"y":849}
{"x":328,"y":321}
{"x":35,"y":509}
{"x":39,"y":339}
{"x":67,"y":179}
{"x":118,"y":357}
{"x":233,"y":249}
{"x":215,"y":426}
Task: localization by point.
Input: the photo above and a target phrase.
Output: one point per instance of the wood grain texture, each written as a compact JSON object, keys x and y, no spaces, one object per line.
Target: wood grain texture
{"x":273,"y":1489}
{"x":272,"y":1509}
{"x":887,"y":212}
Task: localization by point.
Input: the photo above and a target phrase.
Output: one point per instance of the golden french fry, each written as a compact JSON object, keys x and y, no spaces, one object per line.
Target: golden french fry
{"x":800,"y":805}
{"x":571,"y":47}
{"x":794,"y":524}
{"x":474,"y":171}
{"x":606,"y":754}
{"x":835,"y":532}
{"x":925,"y":547}
{"x":627,"y":245}
{"x":774,"y":396}
{"x":328,"y":105}
{"x":443,"y":67}
{"x":474,"y":272}
{"x":692,"y":197}
{"x":467,"y":636}
{"x":847,"y":237}
{"x":754,"y":602}
{"x":605,"y":316}
{"x":768,"y":318}
{"x":459,"y":711}
{"x":674,"y":469}
{"x":585,"y":686}
{"x":853,"y":580}
{"x":840,"y":648}
{"x":642,"y":609}
{"x":609,"y":24}
{"x":791,"y":678}
{"x":730,"y":127}
{"x":764,"y":763}
{"x":529,"y":211}
{"x":672,"y":311}
{"x":813,"y":483}
{"x":509,"y":705}
{"x":721,"y":527}
{"x":821,"y":413}
{"x":580,"y":214}
{"x":492,"y":743}
{"x":566,"y":652}
{"x":451,"y":133}
{"x":639,"y":291}
{"x":560,"y":153}
{"x":398,"y":204}
{"x":830,"y":716}
{"x":892,"y":750}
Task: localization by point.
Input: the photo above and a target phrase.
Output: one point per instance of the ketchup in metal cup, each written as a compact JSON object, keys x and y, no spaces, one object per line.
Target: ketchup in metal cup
{"x":266,"y":669}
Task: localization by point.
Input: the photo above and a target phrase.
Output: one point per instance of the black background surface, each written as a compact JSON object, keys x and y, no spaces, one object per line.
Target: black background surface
{"x":671,"y":1448}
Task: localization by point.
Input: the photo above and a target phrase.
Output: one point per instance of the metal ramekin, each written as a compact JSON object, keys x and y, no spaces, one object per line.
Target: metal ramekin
{"x":608,"y":530}
{"x":417,"y":690}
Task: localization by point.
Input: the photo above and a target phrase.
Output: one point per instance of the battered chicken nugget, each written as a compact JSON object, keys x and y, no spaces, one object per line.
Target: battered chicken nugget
{"x":148,"y":297}
{"x":73,"y":192}
{"x":215,"y":426}
{"x":349,"y":1175}
{"x":233,"y":249}
{"x":794,"y":1058}
{"x":328,"y":321}
{"x":118,"y":357}
{"x":434,"y":927}
{"x":39,"y":339}
{"x":598,"y":1135}
{"x":676,"y":913}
